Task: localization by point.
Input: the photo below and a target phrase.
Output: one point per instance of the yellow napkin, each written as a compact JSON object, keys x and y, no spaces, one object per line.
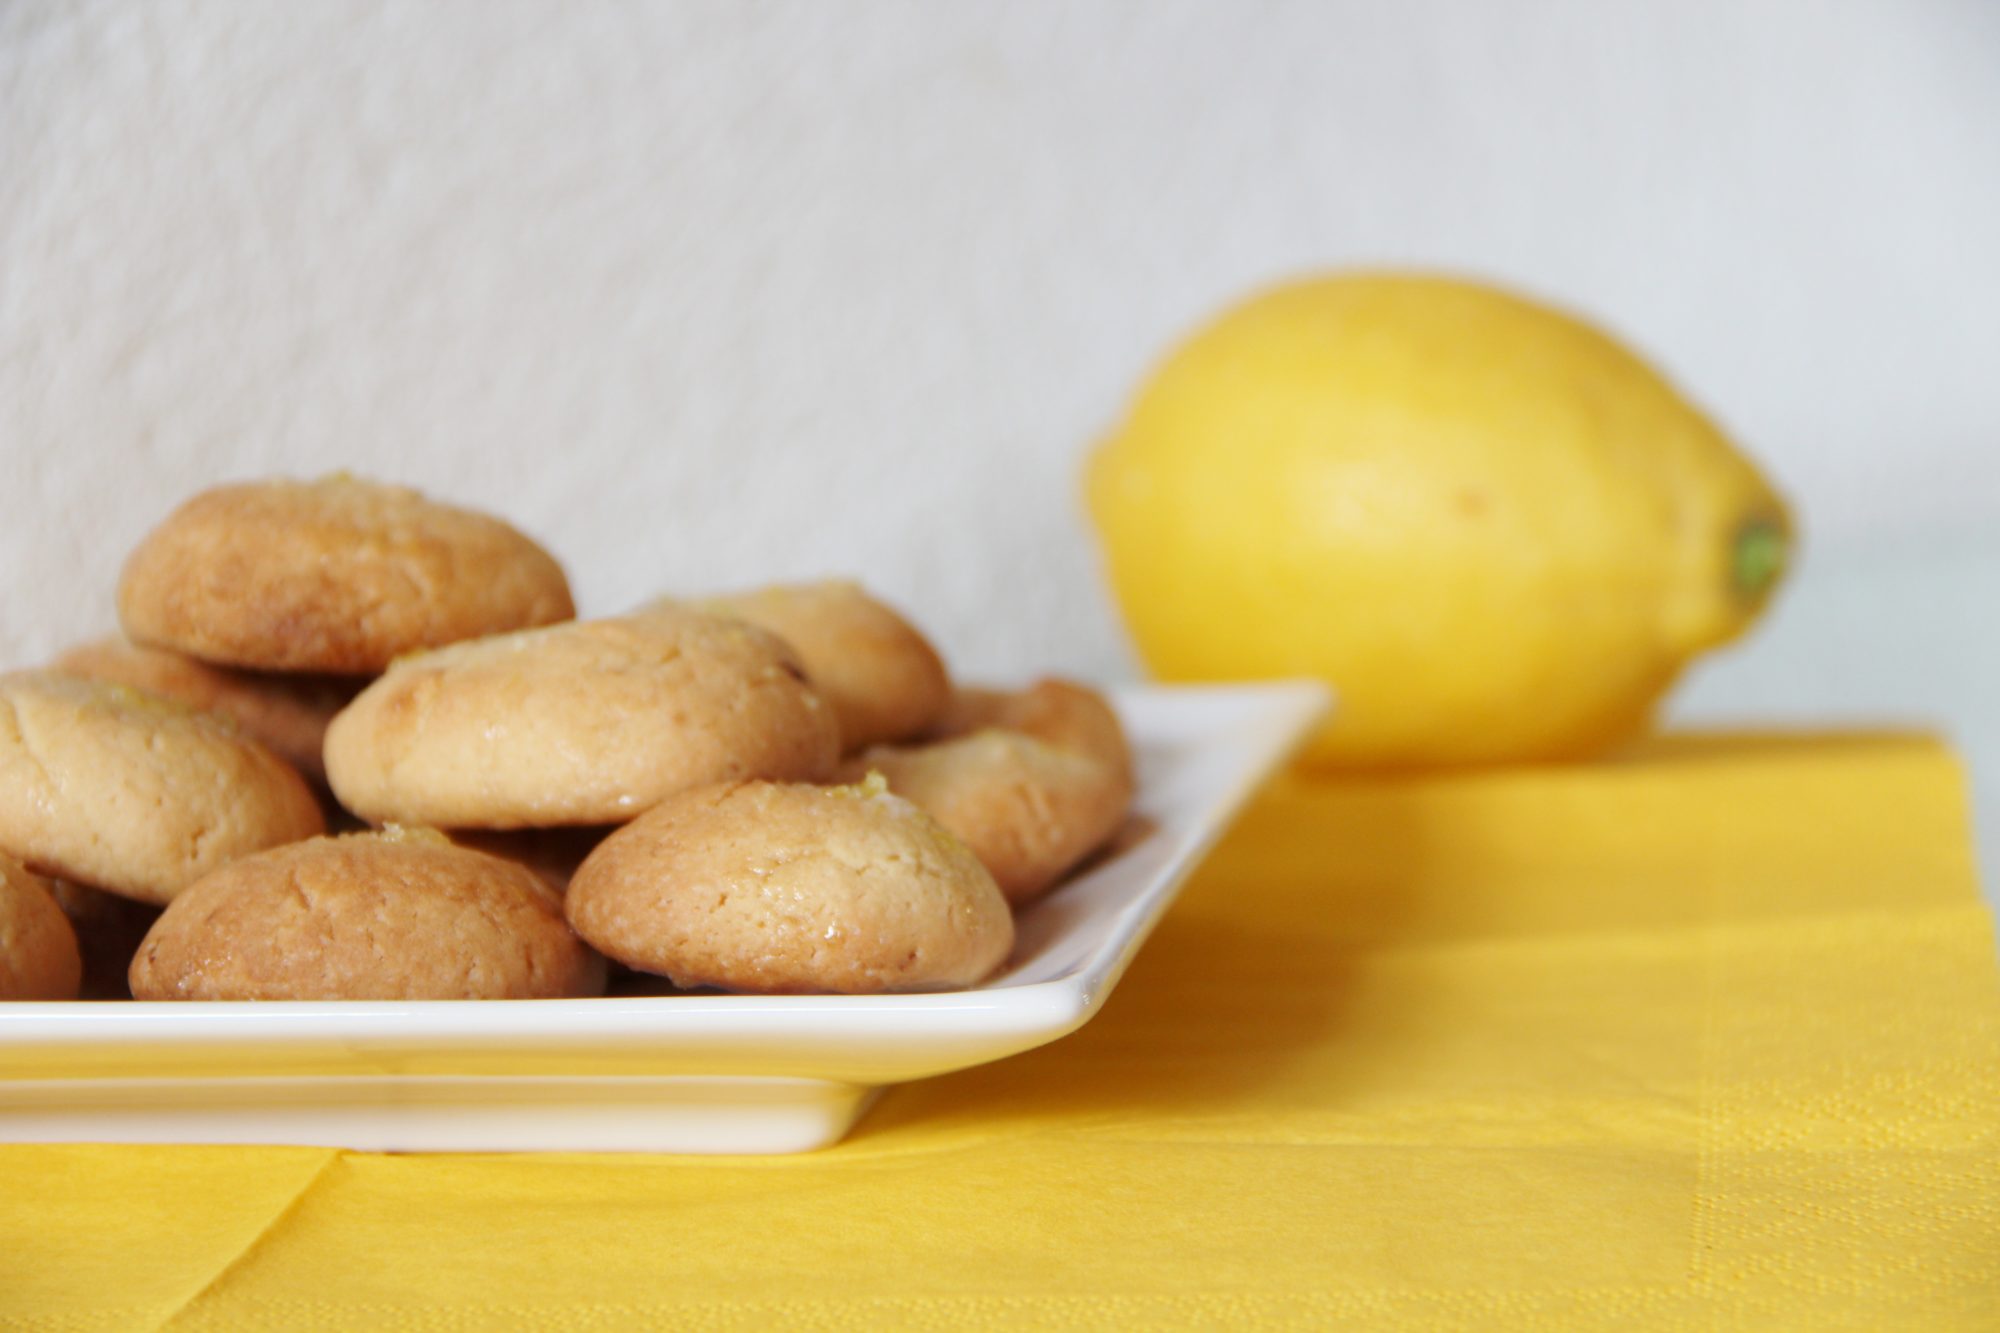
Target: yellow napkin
{"x":1705,"y":1037}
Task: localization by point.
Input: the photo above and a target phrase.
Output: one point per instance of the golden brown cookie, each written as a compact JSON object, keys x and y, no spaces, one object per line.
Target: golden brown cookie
{"x":883,"y":678}
{"x":1061,"y":712}
{"x":108,"y":930}
{"x":793,"y":889}
{"x":38,"y":954}
{"x":338,"y":575}
{"x":367,"y":916}
{"x":288,"y":713}
{"x":126,"y":791}
{"x":586,"y":723}
{"x":971,"y":708}
{"x":1029,"y":810}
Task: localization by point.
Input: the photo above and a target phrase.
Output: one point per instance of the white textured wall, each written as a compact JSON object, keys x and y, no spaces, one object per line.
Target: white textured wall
{"x":707,"y":293}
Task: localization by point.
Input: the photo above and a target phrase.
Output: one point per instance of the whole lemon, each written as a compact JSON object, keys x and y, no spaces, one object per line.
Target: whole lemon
{"x":1497,"y":533}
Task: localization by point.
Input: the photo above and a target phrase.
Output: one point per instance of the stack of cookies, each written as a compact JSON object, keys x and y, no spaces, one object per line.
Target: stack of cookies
{"x":779,"y":791}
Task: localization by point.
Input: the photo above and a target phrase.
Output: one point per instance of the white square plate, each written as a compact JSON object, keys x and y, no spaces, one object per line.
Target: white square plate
{"x":684,"y":1073}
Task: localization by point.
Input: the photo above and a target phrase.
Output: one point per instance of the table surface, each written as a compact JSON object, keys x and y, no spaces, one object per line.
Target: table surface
{"x":1700,"y":1037}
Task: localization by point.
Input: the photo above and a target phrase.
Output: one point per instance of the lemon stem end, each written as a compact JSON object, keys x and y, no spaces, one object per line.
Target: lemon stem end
{"x":1758,"y":559}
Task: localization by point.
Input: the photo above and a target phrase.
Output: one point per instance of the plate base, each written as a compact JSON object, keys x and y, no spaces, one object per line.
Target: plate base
{"x":403,"y":1113}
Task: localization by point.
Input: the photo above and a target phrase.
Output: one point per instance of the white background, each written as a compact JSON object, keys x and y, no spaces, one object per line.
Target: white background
{"x":704,"y":294}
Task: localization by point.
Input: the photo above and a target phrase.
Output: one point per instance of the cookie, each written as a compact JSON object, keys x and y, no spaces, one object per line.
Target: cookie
{"x":339,"y":575}
{"x":792,"y":889}
{"x":126,"y":791}
{"x":366,"y":916}
{"x":1029,"y":810}
{"x":288,"y":713}
{"x":1063,"y":713}
{"x":38,"y":953}
{"x":591,"y":722}
{"x":883,"y":678}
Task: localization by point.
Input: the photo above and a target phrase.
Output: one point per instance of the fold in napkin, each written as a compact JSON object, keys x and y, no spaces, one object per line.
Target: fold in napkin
{"x":1705,"y":1037}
